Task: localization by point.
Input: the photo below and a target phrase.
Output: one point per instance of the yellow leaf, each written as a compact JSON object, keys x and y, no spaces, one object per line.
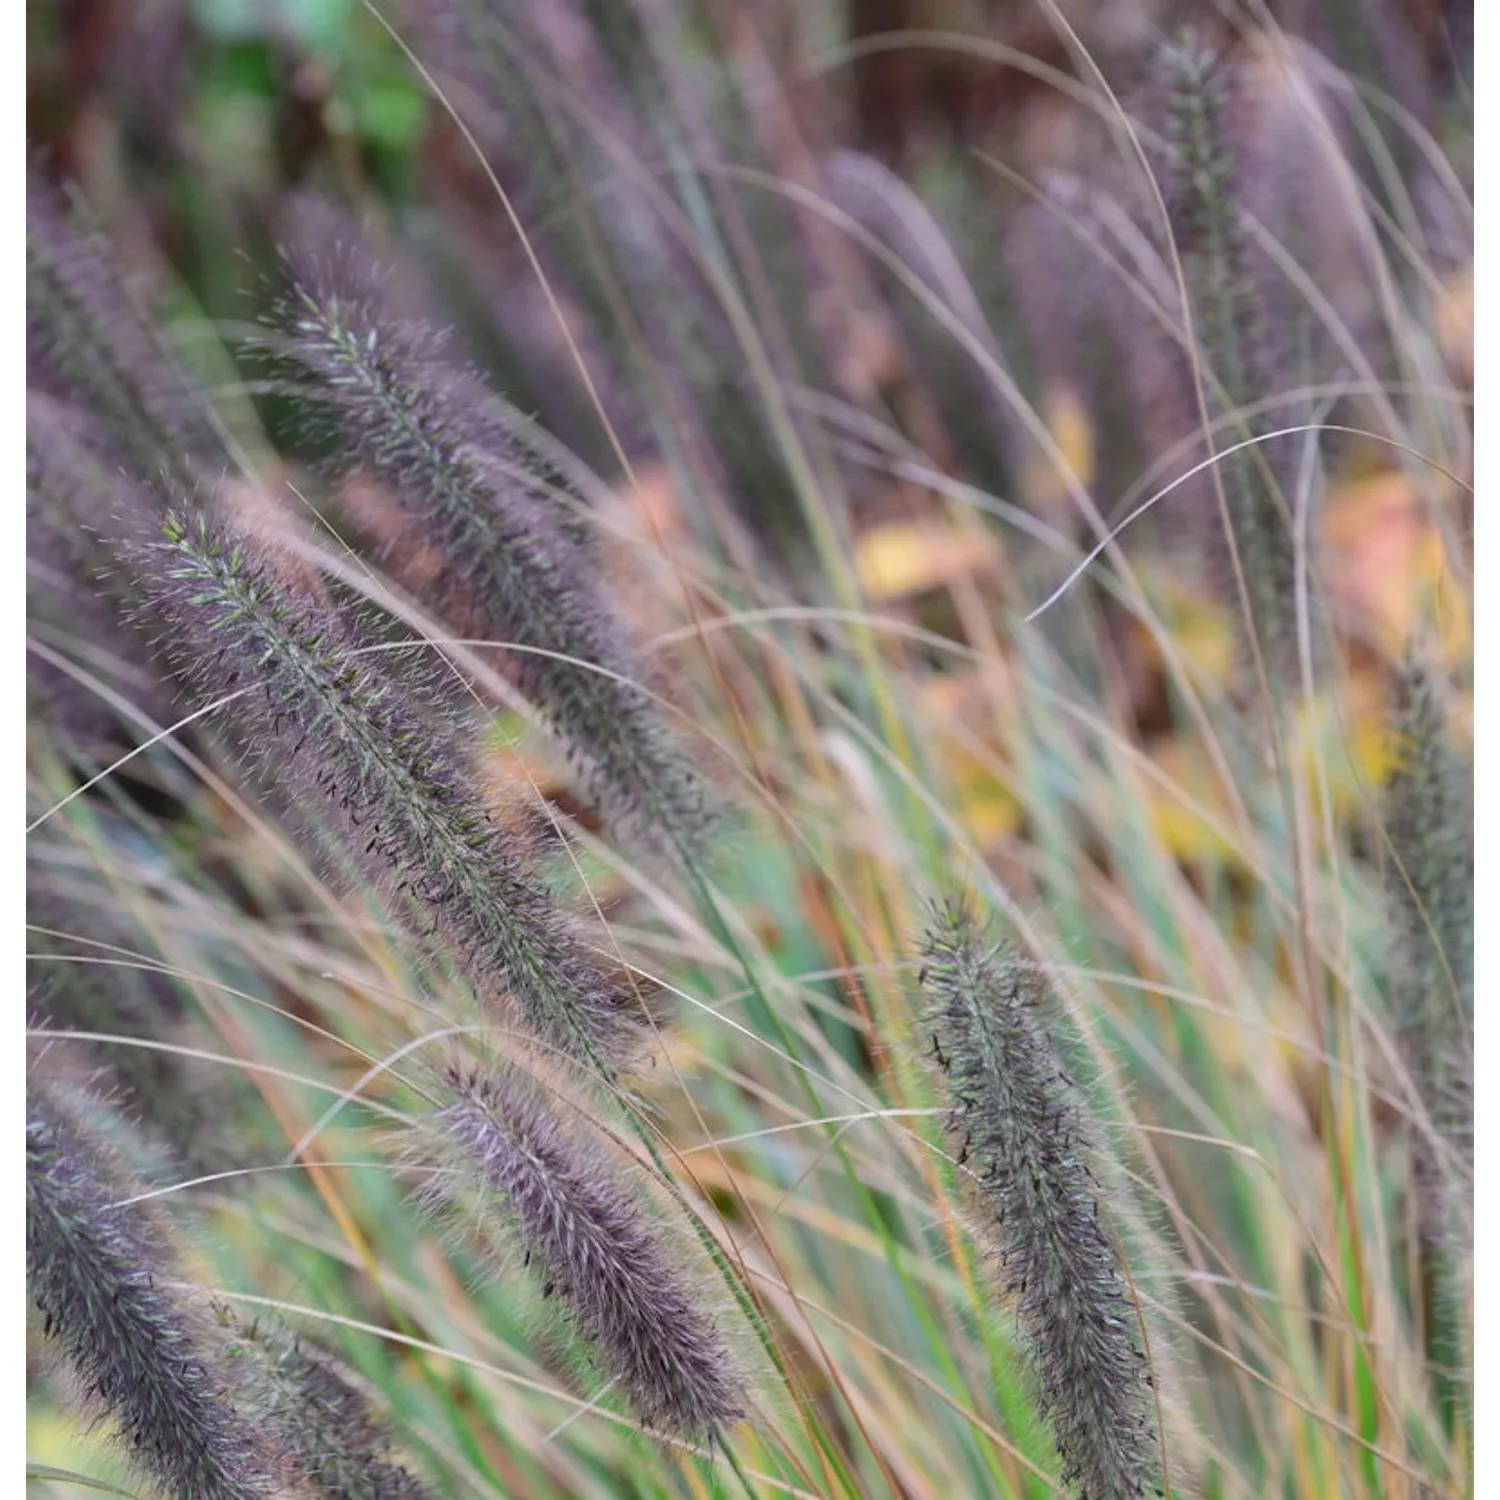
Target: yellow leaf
{"x":902,"y":558}
{"x":1182,"y":829}
{"x":1046,"y":482}
{"x":1386,"y":564}
{"x":1352,"y":741}
{"x":1071,"y":430}
{"x":985,"y":808}
{"x":1199,"y":626}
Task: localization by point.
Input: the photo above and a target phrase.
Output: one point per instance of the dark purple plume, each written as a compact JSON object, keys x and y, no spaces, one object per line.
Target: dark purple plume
{"x":593,"y":1247}
{"x":99,"y":1272}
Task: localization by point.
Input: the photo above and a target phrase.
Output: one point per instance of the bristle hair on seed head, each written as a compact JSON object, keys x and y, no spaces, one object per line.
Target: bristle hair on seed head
{"x":318,"y":705}
{"x":99,"y":1272}
{"x":503,"y":1153}
{"x":1429,"y":821}
{"x":328,"y":266}
{"x":1027,"y":1143}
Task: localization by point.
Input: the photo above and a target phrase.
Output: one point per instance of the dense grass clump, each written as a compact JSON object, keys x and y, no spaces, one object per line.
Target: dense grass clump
{"x":474,"y":447}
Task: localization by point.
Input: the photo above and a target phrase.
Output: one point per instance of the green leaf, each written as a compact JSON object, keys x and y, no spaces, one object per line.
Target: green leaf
{"x":81,"y":1481}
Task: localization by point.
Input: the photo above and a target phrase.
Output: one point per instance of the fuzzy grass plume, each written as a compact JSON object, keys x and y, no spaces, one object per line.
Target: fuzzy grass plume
{"x":1233,"y":338}
{"x":1024,"y":1133}
{"x":98,"y":1272}
{"x":324,"y":1426}
{"x":88,"y":341}
{"x":523,"y":579}
{"x":1430,"y":901}
{"x":593,"y":1247}
{"x":1431,"y":874}
{"x":319,"y":703}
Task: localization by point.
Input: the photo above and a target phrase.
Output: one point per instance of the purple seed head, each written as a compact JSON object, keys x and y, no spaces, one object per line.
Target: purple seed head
{"x":523,"y":579}
{"x":375,"y":755}
{"x":1026,"y":1142}
{"x":428,"y":435}
{"x":89,"y":340}
{"x":99,"y":1273}
{"x":593,"y":1247}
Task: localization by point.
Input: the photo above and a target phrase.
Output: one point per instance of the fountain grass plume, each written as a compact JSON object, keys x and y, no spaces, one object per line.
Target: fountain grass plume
{"x":374,"y":753}
{"x":1430,"y":900}
{"x":525,"y":580}
{"x":1233,"y":338}
{"x":99,"y":1273}
{"x":1430,"y":906}
{"x":503,"y":1152}
{"x":318,"y":236}
{"x":89,"y":341}
{"x":77,"y":504}
{"x":1024,"y":1132}
{"x":324,"y":1426}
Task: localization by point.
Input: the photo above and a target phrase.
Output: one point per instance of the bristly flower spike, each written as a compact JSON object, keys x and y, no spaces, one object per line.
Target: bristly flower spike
{"x":88,"y":340}
{"x":593,"y":1246}
{"x":523,"y":578}
{"x":1233,"y":334}
{"x":1430,"y":907}
{"x":1430,"y":897}
{"x":1027,"y":1146}
{"x":324,"y":1426}
{"x":98,"y":1271}
{"x":375,"y":757}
